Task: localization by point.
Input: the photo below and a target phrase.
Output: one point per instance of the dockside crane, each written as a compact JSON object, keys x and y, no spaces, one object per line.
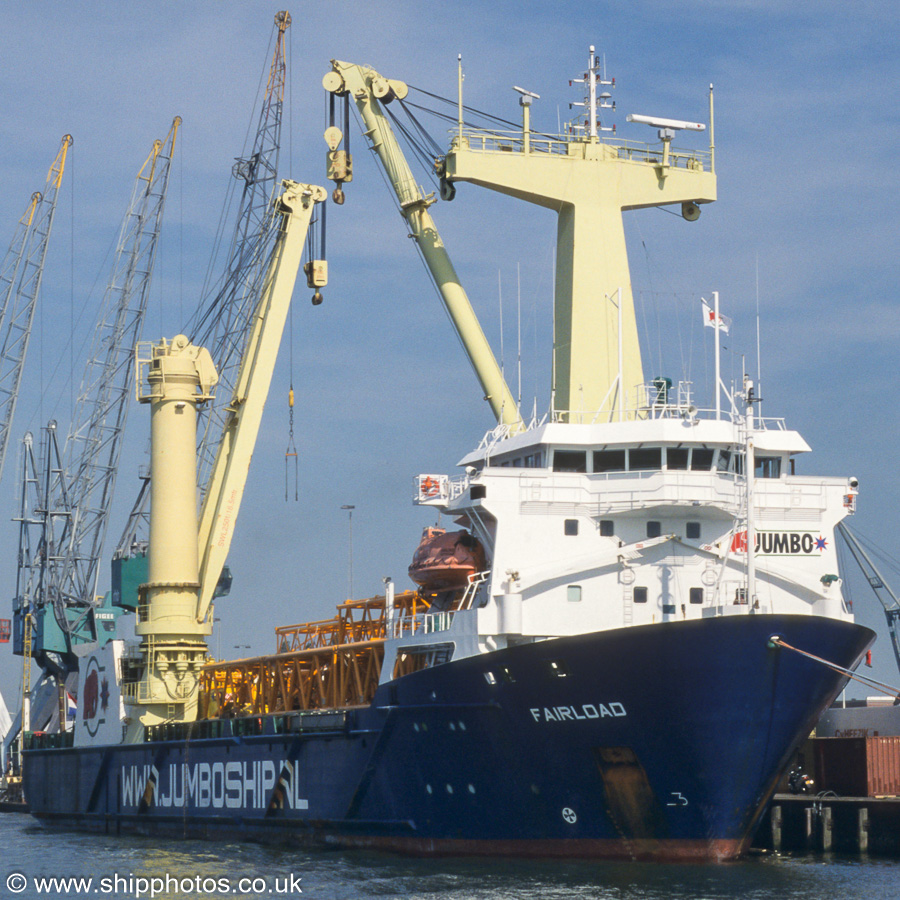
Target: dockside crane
{"x":71,"y":497}
{"x":20,"y":283}
{"x":883,"y":591}
{"x":223,"y":323}
{"x":223,"y":320}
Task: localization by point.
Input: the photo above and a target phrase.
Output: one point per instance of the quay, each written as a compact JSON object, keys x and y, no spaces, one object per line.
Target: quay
{"x":811,"y":823}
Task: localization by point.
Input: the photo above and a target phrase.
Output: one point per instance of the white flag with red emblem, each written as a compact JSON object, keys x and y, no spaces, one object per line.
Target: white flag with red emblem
{"x":709,"y":318}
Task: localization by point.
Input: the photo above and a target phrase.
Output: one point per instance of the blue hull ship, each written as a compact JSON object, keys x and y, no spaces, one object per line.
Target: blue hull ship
{"x":664,"y":742}
{"x":601,"y":662}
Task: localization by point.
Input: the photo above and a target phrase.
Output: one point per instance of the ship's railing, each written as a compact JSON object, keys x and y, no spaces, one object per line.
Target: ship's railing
{"x":491,"y":141}
{"x":660,"y":399}
{"x":503,"y":431}
{"x":661,"y":410}
{"x":608,"y":492}
{"x":422,"y":623}
{"x":476,"y":580}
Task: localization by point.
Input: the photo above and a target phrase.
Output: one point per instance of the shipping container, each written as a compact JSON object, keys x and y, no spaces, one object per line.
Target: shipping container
{"x":858,"y":766}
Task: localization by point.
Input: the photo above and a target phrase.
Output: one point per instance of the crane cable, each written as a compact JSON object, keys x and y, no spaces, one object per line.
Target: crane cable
{"x":291,"y":451}
{"x":777,"y":641}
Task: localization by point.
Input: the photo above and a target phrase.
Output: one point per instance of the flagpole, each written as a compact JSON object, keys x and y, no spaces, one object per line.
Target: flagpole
{"x":718,"y":322}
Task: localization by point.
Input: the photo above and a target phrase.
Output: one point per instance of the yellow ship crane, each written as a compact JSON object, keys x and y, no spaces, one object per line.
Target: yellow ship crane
{"x":369,"y":91}
{"x":186,"y":555}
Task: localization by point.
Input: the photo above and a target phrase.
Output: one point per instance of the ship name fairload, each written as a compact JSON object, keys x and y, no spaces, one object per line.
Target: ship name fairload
{"x":578,"y":713}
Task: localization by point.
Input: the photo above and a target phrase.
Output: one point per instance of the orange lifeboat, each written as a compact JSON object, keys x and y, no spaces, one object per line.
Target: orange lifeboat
{"x":444,"y":561}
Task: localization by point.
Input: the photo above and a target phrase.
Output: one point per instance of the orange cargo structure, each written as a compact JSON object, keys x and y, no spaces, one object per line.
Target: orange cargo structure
{"x":331,"y":664}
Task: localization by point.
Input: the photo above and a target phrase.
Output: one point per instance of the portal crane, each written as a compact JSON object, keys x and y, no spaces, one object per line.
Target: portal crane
{"x":369,"y":91}
{"x":222,"y":322}
{"x":883,"y":591}
{"x":20,"y":281}
{"x":57,"y":581}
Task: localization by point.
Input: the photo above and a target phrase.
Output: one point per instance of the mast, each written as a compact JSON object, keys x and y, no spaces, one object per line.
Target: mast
{"x":750,"y":475}
{"x":589,"y":183}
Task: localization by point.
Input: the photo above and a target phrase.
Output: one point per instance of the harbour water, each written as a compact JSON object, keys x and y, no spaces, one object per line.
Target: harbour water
{"x":128,"y":867}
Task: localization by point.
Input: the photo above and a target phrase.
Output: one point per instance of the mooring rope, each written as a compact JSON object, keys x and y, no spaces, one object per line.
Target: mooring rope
{"x":777,"y":641}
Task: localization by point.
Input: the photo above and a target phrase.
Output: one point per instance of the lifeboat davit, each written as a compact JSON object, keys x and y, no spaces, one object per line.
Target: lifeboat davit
{"x":445,"y":560}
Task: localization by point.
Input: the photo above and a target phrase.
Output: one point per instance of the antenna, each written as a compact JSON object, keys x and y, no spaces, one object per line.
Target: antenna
{"x":667,"y":129}
{"x":668,"y":124}
{"x":758,"y":351}
{"x":590,"y":104}
{"x":527,"y":96}
{"x":500,"y":299}
{"x":519,"y":329}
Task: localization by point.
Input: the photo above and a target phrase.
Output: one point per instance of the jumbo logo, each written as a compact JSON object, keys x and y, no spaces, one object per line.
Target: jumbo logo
{"x":781,"y":543}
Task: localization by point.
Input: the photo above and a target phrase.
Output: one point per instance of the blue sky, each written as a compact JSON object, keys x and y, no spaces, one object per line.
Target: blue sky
{"x":806,"y":131}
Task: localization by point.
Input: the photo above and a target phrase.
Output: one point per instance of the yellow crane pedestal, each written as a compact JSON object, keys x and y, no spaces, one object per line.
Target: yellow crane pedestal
{"x":177,"y":377}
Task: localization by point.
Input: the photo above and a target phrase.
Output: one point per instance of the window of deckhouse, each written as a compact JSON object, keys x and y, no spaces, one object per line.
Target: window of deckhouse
{"x":768,"y":466}
{"x":644,"y":458}
{"x":701,"y":459}
{"x":677,"y":458}
{"x":609,"y":460}
{"x":569,"y":461}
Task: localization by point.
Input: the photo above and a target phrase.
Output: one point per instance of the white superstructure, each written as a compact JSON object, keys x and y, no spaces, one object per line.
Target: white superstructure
{"x":590,"y":527}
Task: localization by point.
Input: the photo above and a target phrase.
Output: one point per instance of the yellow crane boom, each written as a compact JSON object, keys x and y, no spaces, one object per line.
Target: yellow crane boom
{"x":369,"y":90}
{"x":229,"y":475}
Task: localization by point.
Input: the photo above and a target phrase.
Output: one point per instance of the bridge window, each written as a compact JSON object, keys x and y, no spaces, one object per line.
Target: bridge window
{"x":768,"y":466}
{"x":654,"y":529}
{"x":569,"y":461}
{"x":570,"y":527}
{"x":609,"y":460}
{"x":607,"y":528}
{"x":677,"y":458}
{"x":692,"y":531}
{"x":645,"y":458}
{"x":701,"y":459}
